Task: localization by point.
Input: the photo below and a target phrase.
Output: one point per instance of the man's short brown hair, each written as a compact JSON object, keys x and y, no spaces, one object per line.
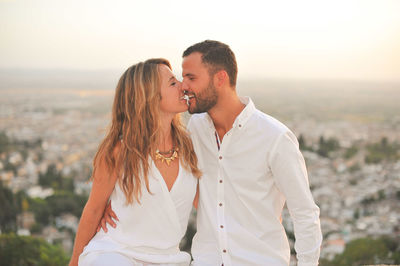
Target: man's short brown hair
{"x":218,"y":56}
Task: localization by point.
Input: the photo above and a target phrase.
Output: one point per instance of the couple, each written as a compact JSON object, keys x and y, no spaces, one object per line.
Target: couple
{"x":238,"y":167}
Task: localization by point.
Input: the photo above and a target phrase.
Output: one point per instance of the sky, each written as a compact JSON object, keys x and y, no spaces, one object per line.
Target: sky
{"x":350,"y":39}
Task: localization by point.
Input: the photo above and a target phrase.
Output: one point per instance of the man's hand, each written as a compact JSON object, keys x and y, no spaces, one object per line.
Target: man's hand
{"x":107,"y":218}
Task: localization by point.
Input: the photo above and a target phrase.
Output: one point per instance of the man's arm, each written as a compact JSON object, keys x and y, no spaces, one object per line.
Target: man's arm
{"x":108,"y":214}
{"x":290,"y":175}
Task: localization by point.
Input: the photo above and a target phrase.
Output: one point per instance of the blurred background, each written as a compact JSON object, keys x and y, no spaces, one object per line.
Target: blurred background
{"x":330,"y":70}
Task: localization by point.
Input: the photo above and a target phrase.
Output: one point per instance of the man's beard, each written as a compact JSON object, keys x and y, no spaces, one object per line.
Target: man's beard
{"x":205,"y":100}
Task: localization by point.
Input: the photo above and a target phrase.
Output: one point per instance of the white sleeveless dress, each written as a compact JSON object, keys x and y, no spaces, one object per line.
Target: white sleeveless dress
{"x":148,"y":233}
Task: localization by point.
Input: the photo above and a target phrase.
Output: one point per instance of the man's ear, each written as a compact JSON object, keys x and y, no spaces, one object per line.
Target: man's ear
{"x":220,"y":78}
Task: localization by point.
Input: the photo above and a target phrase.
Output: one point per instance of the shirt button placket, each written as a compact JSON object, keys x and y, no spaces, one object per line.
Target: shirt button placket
{"x":220,"y":208}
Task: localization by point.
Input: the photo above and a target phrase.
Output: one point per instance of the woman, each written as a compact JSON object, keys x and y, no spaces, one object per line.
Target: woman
{"x":147,"y":167}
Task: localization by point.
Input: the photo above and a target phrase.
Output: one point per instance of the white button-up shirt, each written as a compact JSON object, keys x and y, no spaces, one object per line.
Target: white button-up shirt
{"x":246,"y":181}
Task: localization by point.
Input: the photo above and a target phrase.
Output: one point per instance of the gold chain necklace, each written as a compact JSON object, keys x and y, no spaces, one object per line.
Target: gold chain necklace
{"x":163,"y":158}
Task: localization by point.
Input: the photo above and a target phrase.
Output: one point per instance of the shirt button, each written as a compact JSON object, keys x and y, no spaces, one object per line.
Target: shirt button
{"x":220,"y":204}
{"x":221,"y":226}
{"x":240,"y":125}
{"x":224,"y":250}
{"x":220,"y":157}
{"x":220,"y":180}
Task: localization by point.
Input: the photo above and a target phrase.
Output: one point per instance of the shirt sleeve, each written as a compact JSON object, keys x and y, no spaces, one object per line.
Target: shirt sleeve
{"x":290,"y":175}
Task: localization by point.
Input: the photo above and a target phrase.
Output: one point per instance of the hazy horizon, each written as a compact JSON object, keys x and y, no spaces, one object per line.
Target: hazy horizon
{"x":107,"y":79}
{"x":280,"y":39}
{"x":322,"y":100}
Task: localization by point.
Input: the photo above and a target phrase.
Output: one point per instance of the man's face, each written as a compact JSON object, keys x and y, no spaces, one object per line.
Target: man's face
{"x":198,"y":83}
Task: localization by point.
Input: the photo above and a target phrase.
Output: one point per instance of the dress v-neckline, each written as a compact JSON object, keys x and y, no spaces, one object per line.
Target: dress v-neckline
{"x":162,"y":177}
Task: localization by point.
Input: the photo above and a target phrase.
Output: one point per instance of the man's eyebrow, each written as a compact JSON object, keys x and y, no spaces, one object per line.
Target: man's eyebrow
{"x":171,"y":78}
{"x":188,"y":75}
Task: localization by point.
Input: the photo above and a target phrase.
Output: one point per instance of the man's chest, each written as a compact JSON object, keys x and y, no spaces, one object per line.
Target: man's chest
{"x":240,"y":161}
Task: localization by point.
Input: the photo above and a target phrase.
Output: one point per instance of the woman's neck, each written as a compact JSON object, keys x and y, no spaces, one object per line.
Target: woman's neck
{"x":165,"y":141}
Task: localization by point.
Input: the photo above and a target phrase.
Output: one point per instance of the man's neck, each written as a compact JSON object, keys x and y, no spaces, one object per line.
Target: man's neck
{"x":224,"y":113}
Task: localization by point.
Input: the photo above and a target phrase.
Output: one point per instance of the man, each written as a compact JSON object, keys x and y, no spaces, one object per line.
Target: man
{"x":251,"y":166}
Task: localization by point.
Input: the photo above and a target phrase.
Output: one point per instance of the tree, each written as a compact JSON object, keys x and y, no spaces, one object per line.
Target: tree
{"x":302,"y":142}
{"x":29,"y":251}
{"x":382,"y":151}
{"x":41,"y":210}
{"x":50,"y":178}
{"x":8,"y":210}
{"x":66,"y":202}
{"x":350,"y":152}
{"x":326,"y":146}
{"x":54,"y":179}
{"x":4,"y":142}
{"x":366,"y":251}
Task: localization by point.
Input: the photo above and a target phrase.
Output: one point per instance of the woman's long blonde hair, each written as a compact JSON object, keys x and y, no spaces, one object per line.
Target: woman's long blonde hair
{"x":136,"y":126}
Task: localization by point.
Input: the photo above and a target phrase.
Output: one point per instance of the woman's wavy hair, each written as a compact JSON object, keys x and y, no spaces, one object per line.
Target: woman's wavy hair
{"x":136,"y":129}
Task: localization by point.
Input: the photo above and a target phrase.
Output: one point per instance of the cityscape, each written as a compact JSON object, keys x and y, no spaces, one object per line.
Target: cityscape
{"x":349,"y":134}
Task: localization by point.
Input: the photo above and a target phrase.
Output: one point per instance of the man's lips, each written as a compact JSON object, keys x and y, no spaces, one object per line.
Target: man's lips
{"x":187,"y":98}
{"x":186,"y":93}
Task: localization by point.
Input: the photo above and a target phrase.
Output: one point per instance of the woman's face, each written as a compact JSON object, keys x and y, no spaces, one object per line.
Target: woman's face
{"x":171,"y":93}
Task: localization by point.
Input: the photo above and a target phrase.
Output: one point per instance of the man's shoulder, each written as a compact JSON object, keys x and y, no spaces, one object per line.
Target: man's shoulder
{"x":198,"y":117}
{"x":268,"y":123}
{"x":197,"y":120}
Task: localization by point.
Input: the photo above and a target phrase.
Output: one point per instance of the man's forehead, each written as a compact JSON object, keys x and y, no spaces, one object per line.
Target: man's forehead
{"x":193,"y":58}
{"x":192,"y":62}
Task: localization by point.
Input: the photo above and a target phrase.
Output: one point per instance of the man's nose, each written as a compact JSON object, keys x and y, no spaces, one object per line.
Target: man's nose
{"x":180,"y":85}
{"x":184,"y":86}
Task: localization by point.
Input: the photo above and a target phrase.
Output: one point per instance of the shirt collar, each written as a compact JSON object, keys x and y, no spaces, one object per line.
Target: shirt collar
{"x":243,"y":117}
{"x":246,"y":113}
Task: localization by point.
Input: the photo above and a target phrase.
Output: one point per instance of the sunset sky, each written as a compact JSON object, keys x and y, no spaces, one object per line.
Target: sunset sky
{"x":284,"y":39}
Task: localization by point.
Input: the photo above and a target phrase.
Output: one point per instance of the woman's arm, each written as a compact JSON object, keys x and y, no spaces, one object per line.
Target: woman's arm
{"x":103,"y":185}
